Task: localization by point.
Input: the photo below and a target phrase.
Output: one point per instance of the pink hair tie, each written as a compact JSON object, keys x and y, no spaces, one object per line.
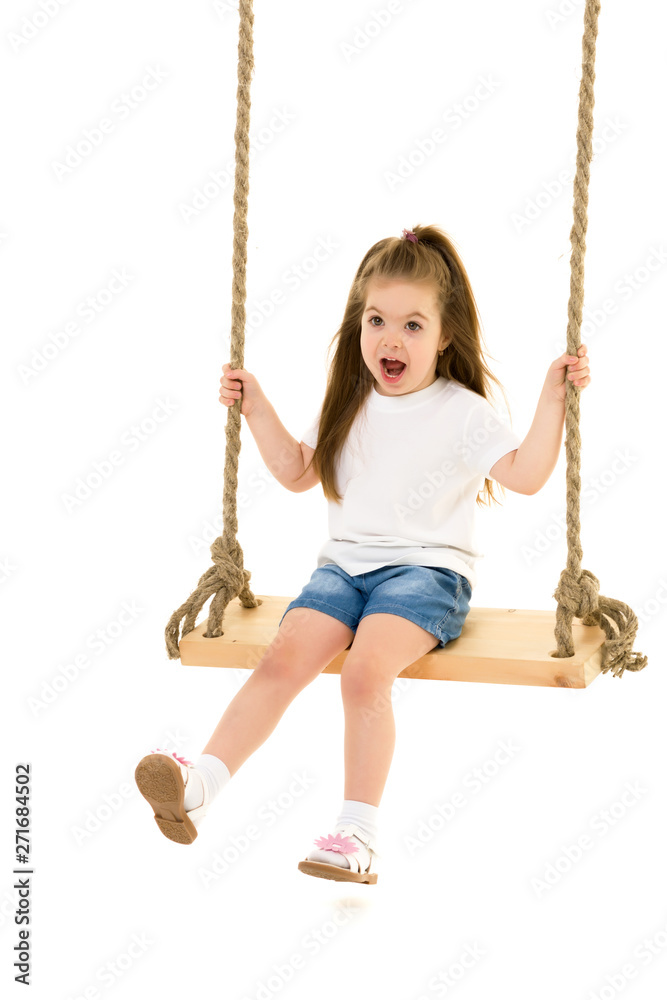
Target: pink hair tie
{"x":409,"y":235}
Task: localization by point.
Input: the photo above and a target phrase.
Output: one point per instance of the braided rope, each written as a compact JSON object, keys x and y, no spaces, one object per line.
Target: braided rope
{"x":227,"y":578}
{"x":577,"y":592}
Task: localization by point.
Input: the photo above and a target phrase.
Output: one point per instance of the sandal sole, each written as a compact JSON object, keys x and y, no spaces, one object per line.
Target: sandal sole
{"x":322,"y":870}
{"x":160,"y":782}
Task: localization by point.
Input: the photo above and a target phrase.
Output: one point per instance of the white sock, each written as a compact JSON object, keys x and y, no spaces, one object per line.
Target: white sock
{"x":209,"y":769}
{"x":363,"y":815}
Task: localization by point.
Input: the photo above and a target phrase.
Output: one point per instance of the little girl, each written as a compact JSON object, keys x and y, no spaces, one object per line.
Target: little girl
{"x":403,"y":443}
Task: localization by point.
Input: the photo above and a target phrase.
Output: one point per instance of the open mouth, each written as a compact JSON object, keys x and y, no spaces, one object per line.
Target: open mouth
{"x":391,"y":370}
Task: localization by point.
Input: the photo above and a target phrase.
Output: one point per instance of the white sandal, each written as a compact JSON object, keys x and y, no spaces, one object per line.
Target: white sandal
{"x":342,"y":843}
{"x":162,"y":778}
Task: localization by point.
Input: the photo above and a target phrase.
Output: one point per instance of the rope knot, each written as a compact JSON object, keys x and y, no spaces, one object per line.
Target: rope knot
{"x":228,"y":563}
{"x":225,"y":579}
{"x":579,"y":595}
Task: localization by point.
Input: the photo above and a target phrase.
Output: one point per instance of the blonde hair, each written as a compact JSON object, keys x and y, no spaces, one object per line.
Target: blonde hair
{"x":433,"y":258}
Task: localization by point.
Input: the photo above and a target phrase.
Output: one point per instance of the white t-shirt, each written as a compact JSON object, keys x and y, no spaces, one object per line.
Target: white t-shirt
{"x":409,"y":474}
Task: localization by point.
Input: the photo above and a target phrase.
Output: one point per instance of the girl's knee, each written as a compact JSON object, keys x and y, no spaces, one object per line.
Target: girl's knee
{"x":363,"y":686}
{"x":277,"y":665}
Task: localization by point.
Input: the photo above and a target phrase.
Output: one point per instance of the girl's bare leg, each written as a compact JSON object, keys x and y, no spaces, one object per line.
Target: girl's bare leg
{"x":306,"y":642}
{"x":384,"y":645}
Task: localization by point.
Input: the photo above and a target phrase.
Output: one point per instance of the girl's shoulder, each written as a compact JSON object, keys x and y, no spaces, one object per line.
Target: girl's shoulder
{"x":463,"y":394}
{"x":469,"y":396}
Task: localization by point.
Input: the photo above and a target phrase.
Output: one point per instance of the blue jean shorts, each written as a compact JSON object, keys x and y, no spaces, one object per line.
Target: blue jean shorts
{"x":437,"y":599}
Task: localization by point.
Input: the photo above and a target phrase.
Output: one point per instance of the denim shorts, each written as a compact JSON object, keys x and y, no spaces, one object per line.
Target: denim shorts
{"x":437,"y":599}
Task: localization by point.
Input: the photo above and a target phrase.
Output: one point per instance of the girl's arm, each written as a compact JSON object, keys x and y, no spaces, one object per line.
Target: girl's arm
{"x":537,"y":455}
{"x":535,"y":459}
{"x":281,"y":452}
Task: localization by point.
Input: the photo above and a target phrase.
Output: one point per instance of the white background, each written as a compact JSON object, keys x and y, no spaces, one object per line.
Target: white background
{"x":103,"y":872}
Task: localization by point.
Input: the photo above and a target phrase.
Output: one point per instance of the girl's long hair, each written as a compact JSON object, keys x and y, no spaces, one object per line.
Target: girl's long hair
{"x":434,"y":258}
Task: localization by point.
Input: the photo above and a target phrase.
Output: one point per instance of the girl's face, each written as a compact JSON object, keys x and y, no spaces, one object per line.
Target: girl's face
{"x":401,"y":320}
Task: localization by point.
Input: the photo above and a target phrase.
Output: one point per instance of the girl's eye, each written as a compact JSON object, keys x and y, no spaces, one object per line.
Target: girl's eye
{"x":412,"y":322}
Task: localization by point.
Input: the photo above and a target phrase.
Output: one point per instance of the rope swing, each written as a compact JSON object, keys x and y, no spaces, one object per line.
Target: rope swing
{"x":227,"y":578}
{"x":577,"y":592}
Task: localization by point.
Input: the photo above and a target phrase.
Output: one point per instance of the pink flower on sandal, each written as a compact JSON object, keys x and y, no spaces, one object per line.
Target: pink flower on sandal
{"x":188,"y":763}
{"x":170,"y":753}
{"x":336,"y":842}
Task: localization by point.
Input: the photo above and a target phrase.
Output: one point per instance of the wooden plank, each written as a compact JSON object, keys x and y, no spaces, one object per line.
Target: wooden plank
{"x":497,"y":646}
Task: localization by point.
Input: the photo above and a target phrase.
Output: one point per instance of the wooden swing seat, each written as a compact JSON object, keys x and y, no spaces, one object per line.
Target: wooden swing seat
{"x":496,"y":646}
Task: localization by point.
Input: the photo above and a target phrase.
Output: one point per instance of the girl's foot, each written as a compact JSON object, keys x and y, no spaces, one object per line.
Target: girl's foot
{"x":346,"y":856}
{"x":163,"y":778}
